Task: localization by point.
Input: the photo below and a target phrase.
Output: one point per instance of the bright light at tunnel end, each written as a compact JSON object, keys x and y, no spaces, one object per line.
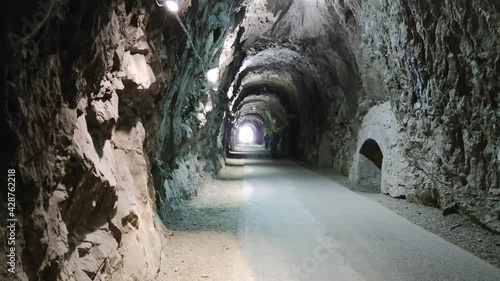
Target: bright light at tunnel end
{"x":246,"y":135}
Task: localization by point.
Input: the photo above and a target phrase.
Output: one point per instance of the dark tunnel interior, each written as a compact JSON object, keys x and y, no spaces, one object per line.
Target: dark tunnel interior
{"x":243,"y":140}
{"x":372,"y":151}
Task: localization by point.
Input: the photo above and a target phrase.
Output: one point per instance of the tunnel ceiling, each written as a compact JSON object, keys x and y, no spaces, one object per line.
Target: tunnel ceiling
{"x":311,"y":37}
{"x":301,"y":52}
{"x":259,"y":109}
{"x":283,"y":71}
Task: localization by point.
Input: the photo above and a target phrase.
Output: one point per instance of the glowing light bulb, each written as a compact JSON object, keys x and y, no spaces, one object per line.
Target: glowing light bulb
{"x":213,"y":75}
{"x":172,"y":5}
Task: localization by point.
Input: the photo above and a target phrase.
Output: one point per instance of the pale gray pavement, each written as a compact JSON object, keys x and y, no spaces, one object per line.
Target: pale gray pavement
{"x":298,"y":225}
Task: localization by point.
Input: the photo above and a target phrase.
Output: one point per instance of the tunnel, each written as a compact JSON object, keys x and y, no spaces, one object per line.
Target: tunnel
{"x":250,"y":140}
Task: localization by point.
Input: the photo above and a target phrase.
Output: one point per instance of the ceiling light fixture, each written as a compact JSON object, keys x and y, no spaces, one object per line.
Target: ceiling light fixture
{"x":172,"y":5}
{"x":213,"y":75}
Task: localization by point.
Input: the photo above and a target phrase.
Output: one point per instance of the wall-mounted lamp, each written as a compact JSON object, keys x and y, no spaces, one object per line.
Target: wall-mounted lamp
{"x":172,"y":5}
{"x":213,"y":75}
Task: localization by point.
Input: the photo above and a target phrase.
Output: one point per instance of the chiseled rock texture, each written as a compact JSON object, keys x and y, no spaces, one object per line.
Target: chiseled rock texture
{"x":438,"y":64}
{"x":87,"y":95}
{"x":435,"y":65}
{"x":109,"y":121}
{"x":189,"y":135}
{"x":80,"y":102}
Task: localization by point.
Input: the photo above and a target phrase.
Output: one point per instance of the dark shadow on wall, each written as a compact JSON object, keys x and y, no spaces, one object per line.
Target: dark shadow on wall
{"x":371,"y":150}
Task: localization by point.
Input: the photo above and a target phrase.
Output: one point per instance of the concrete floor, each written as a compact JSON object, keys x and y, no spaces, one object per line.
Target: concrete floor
{"x":298,"y":225}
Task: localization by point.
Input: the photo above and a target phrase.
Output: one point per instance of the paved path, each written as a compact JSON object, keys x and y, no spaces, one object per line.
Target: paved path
{"x":298,"y":225}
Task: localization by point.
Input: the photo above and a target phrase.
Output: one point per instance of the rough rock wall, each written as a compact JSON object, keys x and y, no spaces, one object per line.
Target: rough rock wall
{"x":438,"y":62}
{"x":83,"y":107}
{"x":332,"y":56}
{"x":330,"y":48}
{"x":188,"y":145}
{"x":90,"y":101}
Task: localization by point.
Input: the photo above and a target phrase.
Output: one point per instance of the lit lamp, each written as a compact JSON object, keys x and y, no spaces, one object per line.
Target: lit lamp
{"x":172,"y":5}
{"x":213,"y":75}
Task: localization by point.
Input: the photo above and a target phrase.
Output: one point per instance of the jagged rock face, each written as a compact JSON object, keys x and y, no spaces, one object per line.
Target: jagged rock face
{"x":77,"y":95}
{"x":86,"y":96}
{"x":438,"y":64}
{"x":111,"y":119}
{"x":189,"y":135}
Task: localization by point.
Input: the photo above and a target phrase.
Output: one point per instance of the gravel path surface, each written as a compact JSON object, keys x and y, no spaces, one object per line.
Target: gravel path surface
{"x":203,"y":235}
{"x":455,"y":228}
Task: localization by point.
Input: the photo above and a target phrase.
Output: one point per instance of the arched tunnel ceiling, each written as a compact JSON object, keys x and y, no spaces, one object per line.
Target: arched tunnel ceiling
{"x":255,"y":108}
{"x":300,"y":51}
{"x":251,"y":118}
{"x":278,"y":70}
{"x":286,"y":19}
{"x":291,"y":47}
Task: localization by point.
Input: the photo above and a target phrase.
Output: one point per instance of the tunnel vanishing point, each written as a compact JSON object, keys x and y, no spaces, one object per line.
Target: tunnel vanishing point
{"x":116,"y":112}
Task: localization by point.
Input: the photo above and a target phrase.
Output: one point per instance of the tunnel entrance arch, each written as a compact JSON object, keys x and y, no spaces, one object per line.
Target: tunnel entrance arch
{"x":370,"y":163}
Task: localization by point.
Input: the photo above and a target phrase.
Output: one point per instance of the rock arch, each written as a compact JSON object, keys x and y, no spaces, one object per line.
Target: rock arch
{"x":380,"y":127}
{"x":370,"y":161}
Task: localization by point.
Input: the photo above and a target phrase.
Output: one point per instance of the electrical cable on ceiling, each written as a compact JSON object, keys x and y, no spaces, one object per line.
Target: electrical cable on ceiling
{"x":192,"y":44}
{"x":223,"y":32}
{"x":203,"y":66}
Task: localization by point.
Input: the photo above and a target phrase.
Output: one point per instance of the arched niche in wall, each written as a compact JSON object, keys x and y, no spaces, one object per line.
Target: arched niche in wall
{"x":370,"y":162}
{"x":379,"y":143}
{"x":370,"y":153}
